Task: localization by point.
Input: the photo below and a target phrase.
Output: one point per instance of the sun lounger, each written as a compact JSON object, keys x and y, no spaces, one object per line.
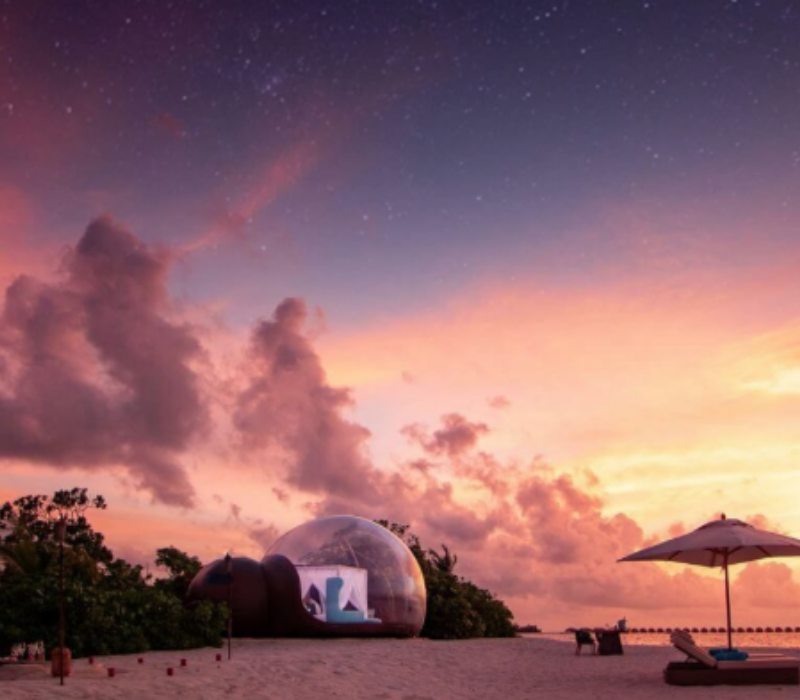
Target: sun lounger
{"x":704,"y":669}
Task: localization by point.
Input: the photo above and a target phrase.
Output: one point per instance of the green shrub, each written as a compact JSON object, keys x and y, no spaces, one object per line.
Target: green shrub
{"x":111,"y":607}
{"x":457,"y":608}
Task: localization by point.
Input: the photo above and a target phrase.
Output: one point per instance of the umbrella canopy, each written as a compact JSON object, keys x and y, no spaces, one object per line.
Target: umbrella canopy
{"x":721,"y":543}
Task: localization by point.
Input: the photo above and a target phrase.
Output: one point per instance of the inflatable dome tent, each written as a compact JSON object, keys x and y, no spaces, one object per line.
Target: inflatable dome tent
{"x":339,"y":576}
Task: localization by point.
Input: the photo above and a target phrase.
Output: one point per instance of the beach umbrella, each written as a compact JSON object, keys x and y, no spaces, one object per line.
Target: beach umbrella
{"x":721,"y":543}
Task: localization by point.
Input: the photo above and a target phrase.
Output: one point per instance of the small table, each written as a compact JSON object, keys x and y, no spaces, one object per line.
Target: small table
{"x":608,"y":642}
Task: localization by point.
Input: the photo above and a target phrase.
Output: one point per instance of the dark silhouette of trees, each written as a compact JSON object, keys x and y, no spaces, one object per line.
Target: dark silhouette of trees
{"x":112,"y":605}
{"x":182,"y":569}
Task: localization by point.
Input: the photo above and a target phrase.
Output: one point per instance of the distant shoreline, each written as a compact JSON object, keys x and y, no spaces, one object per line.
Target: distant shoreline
{"x":746,"y":640}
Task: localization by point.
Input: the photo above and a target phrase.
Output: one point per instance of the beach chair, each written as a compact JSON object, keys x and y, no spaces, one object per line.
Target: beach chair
{"x":608,"y":642}
{"x":584,"y":638}
{"x":701,"y":668}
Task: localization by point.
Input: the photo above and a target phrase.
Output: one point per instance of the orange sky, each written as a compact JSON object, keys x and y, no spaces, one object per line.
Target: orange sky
{"x":662,"y":400}
{"x":525,"y":280}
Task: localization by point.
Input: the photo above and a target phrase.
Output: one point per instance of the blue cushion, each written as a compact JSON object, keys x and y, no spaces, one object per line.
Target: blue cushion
{"x":333,"y":606}
{"x":728,"y":654}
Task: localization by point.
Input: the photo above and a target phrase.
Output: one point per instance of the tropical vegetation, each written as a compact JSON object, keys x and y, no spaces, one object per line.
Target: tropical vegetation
{"x":114,"y":607}
{"x":457,"y":608}
{"x":111,"y":606}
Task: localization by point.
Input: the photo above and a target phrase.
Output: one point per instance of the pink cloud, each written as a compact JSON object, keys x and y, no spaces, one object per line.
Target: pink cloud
{"x":289,"y":404}
{"x":499,"y":402}
{"x":546,"y":540}
{"x":18,"y":221}
{"x":767,"y":584}
{"x":274,"y":179}
{"x":95,"y":374}
{"x":456,"y":436}
{"x":264,"y":535}
{"x":280,"y":494}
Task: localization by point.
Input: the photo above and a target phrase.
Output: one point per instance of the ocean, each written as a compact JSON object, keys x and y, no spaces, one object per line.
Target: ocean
{"x":743,"y":640}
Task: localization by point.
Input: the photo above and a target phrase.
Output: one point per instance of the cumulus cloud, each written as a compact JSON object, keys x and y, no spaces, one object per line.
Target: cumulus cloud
{"x":287,"y":407}
{"x":264,"y":535}
{"x":558,"y":548}
{"x":532,"y":533}
{"x":423,"y":466}
{"x":280,"y":494}
{"x":288,"y":404}
{"x":557,"y":514}
{"x":96,"y":374}
{"x":489,"y":472}
{"x":456,"y":436}
{"x":767,"y":584}
{"x":762,"y":522}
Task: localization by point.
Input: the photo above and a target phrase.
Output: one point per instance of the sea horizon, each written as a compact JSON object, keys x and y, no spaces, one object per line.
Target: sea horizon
{"x":742,"y":640}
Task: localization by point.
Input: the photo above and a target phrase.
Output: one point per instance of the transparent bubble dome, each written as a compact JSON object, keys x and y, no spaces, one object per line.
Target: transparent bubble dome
{"x":395,"y":586}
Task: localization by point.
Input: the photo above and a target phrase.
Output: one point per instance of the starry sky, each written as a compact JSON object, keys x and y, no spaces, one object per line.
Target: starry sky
{"x":522,"y":274}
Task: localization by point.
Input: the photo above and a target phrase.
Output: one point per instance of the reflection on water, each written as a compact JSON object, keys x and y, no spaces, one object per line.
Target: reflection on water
{"x":743,"y":640}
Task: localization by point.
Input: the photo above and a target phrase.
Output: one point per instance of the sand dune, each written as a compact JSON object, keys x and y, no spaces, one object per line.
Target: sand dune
{"x":376,"y":669}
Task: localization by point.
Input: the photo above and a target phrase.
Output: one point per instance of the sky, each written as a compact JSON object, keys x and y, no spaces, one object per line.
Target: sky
{"x":521,"y":275}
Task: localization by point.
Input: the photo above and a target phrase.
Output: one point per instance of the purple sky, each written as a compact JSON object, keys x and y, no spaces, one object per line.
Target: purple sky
{"x":422,"y":261}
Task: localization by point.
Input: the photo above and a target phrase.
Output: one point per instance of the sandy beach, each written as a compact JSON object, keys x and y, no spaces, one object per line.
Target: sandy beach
{"x":414,"y":669}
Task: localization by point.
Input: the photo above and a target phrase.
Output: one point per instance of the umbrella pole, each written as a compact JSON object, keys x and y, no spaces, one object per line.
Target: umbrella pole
{"x":728,"y":600}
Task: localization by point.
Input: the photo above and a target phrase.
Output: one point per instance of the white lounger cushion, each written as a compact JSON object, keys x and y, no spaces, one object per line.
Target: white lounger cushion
{"x":694,"y":651}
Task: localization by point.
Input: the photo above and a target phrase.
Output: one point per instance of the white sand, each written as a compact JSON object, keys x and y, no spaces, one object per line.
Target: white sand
{"x":413,"y":669}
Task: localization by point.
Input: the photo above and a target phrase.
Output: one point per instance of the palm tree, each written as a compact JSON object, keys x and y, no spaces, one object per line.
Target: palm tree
{"x":444,"y":562}
{"x":25,"y":557}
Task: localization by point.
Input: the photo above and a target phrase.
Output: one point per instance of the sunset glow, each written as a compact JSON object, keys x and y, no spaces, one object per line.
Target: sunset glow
{"x":526,"y":280}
